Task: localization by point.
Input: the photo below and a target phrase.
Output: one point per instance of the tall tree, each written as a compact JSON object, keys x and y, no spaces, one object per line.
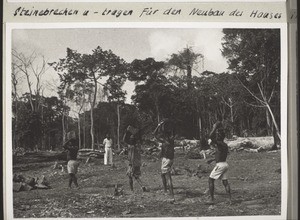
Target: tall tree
{"x":79,"y":94}
{"x":15,"y":81}
{"x":230,"y":94}
{"x":32,"y":67}
{"x":254,"y":54}
{"x":152,"y":86}
{"x":185,"y":61}
{"x":100,"y":65}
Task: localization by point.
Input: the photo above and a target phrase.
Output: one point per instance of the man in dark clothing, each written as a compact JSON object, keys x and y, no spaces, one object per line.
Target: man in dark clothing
{"x":71,"y":146}
{"x":131,"y":138}
{"x":216,"y":140}
{"x":134,"y":159}
{"x":167,"y":155}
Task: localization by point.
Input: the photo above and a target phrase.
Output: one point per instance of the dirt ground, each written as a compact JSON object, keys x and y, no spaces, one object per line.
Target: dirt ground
{"x":254,"y":178}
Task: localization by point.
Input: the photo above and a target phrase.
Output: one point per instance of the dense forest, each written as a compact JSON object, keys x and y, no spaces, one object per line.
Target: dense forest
{"x":91,"y":95}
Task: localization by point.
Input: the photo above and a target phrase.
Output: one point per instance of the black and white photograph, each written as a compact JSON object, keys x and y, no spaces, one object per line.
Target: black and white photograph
{"x":146,"y":121}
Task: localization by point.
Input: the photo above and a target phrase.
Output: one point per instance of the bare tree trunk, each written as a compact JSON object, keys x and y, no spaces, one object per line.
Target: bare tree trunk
{"x":79,"y":132}
{"x":67,"y":124}
{"x":223,"y":112}
{"x":64,"y":128}
{"x":209,"y":120}
{"x":30,"y":91}
{"x":274,"y":121}
{"x":266,"y":103}
{"x":113,"y":129}
{"x":189,"y":77}
{"x":118,"y":129}
{"x":92,"y":129}
{"x":97,"y":140}
{"x":44,"y":142}
{"x":269,"y":125}
{"x":92,"y":114}
{"x":200,"y":127}
{"x":84,"y":138}
{"x":276,"y":140}
{"x":49,"y":141}
{"x":43,"y":130}
{"x":16,"y":126}
{"x":14,"y":84}
{"x":231,"y":119}
{"x":15,"y":130}
{"x":26,"y":65}
{"x":157,"y":112}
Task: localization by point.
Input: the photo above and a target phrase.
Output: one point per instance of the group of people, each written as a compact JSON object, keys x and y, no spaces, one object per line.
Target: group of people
{"x":166,"y":137}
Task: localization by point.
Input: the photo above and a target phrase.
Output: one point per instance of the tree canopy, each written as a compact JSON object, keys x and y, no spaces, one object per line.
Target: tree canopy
{"x":92,"y":96}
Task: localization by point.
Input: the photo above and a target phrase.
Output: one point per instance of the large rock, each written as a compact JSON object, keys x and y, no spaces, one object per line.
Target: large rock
{"x":255,"y":143}
{"x":17,"y":187}
{"x":84,"y":153}
{"x":21,"y":183}
{"x":187,"y":144}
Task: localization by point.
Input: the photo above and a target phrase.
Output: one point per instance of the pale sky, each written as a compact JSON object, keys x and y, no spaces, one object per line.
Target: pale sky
{"x":129,"y":44}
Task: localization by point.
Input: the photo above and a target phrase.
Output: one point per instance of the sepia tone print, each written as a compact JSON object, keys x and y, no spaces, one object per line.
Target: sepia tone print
{"x":146,"y":122}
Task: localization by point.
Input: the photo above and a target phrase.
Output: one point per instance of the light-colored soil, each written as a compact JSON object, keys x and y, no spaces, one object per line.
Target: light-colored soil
{"x":255,"y":181}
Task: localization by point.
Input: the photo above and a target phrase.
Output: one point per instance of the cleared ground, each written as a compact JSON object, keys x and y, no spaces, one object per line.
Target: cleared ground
{"x":255,"y":181}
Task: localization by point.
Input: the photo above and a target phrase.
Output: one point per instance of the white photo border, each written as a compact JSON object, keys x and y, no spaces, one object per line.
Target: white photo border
{"x":8,"y":166}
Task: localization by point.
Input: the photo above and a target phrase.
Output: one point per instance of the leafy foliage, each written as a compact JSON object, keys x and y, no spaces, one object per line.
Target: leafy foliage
{"x":246,"y":98}
{"x":254,"y":55}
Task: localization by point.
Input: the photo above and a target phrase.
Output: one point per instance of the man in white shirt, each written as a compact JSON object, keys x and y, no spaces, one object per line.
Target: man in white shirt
{"x":108,"y":156}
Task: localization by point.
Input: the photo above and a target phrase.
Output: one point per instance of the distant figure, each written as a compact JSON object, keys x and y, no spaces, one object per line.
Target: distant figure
{"x":134,"y":158}
{"x":217,"y":136}
{"x":108,"y":156}
{"x":71,"y":146}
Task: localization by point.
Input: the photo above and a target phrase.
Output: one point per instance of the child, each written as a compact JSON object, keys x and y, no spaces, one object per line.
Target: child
{"x":134,"y":158}
{"x":72,"y":150}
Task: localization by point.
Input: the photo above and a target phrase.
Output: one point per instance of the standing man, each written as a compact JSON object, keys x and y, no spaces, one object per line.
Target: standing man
{"x":108,"y":156}
{"x":72,"y":147}
{"x":217,"y":136}
{"x":134,"y":159}
{"x":167,"y":155}
{"x":166,"y":137}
